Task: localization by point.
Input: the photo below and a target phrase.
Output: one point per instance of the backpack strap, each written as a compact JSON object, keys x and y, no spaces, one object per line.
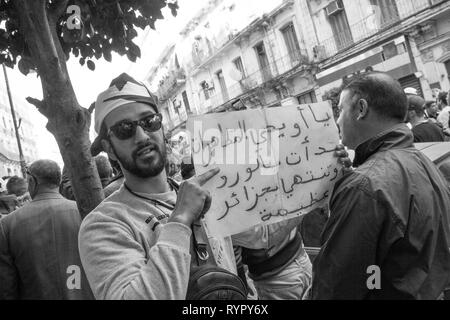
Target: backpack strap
{"x":200,"y":246}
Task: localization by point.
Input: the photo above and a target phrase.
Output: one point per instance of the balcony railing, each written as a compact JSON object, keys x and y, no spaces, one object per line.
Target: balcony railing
{"x":171,"y":82}
{"x":259,"y":77}
{"x":369,"y":26}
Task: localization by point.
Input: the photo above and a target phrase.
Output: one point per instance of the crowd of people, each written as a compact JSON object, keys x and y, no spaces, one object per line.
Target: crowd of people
{"x":13,"y":194}
{"x":390,"y":210}
{"x":428,"y":120}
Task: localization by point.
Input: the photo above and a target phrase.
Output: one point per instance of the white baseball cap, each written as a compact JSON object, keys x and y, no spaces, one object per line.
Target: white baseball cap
{"x":123,"y":91}
{"x":411,"y":91}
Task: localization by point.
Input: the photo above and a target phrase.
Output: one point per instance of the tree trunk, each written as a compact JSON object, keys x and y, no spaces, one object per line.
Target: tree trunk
{"x":67,"y":120}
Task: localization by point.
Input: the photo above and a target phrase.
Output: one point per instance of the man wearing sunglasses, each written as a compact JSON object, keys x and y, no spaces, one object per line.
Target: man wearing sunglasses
{"x":136,"y":244}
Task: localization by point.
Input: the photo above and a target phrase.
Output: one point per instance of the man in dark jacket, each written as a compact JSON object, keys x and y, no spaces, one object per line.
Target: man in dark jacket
{"x":39,"y":256}
{"x":423,"y":129}
{"x":388,"y":233}
{"x":8,"y":203}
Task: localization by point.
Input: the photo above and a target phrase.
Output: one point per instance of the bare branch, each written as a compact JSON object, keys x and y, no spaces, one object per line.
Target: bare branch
{"x":92,"y":108}
{"x":39,"y":104}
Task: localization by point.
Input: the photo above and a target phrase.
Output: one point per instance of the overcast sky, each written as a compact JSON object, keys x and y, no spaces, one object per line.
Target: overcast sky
{"x":88,"y":84}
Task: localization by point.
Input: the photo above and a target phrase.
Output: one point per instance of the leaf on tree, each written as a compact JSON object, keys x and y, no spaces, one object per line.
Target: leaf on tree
{"x":91,"y":65}
{"x":132,"y":33}
{"x":82,"y":61}
{"x":131,"y":56}
{"x":23,"y":67}
{"x":98,"y":53}
{"x":107,"y":55}
{"x":173,"y":8}
{"x":135,"y":50}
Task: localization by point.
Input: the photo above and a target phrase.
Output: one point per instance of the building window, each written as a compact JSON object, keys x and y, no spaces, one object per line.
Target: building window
{"x":239,"y":66}
{"x":390,"y":50}
{"x":290,"y":38}
{"x":177,"y":63}
{"x":401,"y":48}
{"x":186,"y":102}
{"x":386,"y":11}
{"x":263,"y":61}
{"x":176,"y":106}
{"x":308,"y":97}
{"x":447,"y":66}
{"x":339,"y":24}
{"x":205,"y":88}
{"x":223,"y":85}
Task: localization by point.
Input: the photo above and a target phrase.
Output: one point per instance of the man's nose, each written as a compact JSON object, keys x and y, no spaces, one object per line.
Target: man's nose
{"x":140,"y":135}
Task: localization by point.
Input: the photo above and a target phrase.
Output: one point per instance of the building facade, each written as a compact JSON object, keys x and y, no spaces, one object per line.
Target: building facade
{"x":408,"y":39}
{"x":9,"y":152}
{"x":236,"y":54}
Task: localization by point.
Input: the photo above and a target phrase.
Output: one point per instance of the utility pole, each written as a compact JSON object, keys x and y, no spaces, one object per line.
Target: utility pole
{"x":16,"y":127}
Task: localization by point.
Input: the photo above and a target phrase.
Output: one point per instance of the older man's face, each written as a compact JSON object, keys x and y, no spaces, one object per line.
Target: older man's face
{"x":144,"y":154}
{"x":347,"y":121}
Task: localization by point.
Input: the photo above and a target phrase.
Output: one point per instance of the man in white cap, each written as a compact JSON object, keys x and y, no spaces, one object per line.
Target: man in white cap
{"x":411,"y":91}
{"x":136,"y":244}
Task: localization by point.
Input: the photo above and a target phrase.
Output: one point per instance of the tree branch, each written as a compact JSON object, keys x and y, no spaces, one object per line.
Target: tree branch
{"x":92,"y":108}
{"x":40,"y":105}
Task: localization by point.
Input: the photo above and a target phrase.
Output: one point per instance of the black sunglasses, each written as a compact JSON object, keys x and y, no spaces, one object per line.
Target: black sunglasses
{"x":127,"y":129}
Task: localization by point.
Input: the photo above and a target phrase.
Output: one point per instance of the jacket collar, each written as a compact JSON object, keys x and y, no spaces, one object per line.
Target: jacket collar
{"x":47,"y":195}
{"x":400,"y":136}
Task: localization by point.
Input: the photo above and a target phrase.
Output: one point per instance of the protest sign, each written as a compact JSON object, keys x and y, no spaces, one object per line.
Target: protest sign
{"x":275,"y":164}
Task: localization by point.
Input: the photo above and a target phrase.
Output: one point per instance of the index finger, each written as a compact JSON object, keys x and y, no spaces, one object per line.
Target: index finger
{"x":208,"y":175}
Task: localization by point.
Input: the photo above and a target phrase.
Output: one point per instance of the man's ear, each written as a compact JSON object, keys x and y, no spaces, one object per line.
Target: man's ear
{"x":106,"y":145}
{"x":362,"y":109}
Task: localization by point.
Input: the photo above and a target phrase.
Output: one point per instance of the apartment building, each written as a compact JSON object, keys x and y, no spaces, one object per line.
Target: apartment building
{"x":255,"y":53}
{"x":409,"y":39}
{"x":236,"y":54}
{"x":9,"y":152}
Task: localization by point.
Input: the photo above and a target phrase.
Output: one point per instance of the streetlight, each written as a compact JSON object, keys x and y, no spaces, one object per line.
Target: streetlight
{"x":23,"y":164}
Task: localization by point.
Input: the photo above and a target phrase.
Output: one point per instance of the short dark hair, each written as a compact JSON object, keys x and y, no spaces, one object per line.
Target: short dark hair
{"x":429,"y":104}
{"x":382,"y":92}
{"x":47,"y":172}
{"x":14,"y":183}
{"x":443,"y":97}
{"x":416,"y":104}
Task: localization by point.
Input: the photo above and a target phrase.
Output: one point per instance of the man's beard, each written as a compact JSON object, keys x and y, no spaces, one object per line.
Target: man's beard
{"x":151,"y":169}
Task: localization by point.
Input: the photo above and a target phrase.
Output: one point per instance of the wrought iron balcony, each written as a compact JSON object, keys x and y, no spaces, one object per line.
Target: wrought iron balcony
{"x":259,"y":77}
{"x":170,"y":83}
{"x":369,"y":26}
